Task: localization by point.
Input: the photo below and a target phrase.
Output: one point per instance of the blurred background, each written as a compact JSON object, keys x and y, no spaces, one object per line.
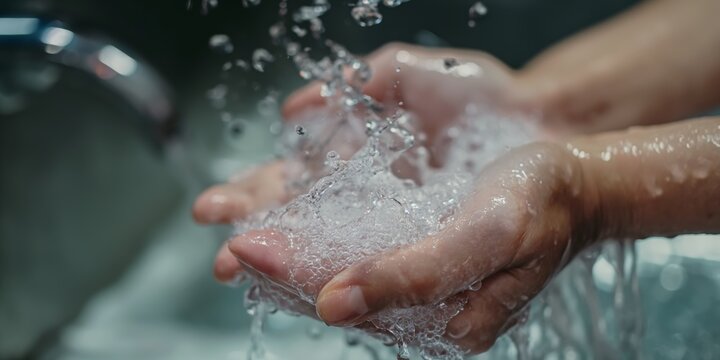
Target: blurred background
{"x":115,"y":114}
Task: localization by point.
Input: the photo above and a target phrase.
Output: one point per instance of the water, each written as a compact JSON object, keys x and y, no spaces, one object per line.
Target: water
{"x":353,"y":205}
{"x":476,"y":10}
{"x":260,"y":58}
{"x":221,"y":43}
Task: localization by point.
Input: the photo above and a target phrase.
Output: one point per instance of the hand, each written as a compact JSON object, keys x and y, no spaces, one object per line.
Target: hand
{"x":515,"y":231}
{"x":424,"y":86}
{"x":434,"y":84}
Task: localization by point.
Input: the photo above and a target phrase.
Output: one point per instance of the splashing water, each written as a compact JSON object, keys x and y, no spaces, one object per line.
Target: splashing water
{"x":476,"y":10}
{"x":352,"y":204}
{"x":260,"y":58}
{"x":221,"y":43}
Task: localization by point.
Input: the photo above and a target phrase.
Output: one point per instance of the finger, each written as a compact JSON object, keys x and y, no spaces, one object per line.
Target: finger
{"x":267,"y":254}
{"x":494,"y":308}
{"x":227,"y":267}
{"x":412,"y":75}
{"x":232,"y":201}
{"x":478,"y":243}
{"x":270,"y":254}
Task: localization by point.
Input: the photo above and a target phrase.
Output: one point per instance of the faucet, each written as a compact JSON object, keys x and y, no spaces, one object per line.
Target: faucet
{"x":115,"y":67}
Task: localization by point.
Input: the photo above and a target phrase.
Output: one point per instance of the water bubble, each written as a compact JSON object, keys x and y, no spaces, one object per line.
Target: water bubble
{"x":476,"y":285}
{"x":366,"y":15}
{"x":221,"y":43}
{"x":227,"y":66}
{"x":260,"y":57}
{"x":672,"y":277}
{"x":333,"y":155}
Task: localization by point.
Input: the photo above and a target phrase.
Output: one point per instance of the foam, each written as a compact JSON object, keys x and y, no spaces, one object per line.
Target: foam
{"x":359,"y":206}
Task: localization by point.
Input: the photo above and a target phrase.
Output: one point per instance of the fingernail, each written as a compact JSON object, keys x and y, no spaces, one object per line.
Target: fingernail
{"x":458,"y":328}
{"x":342,"y":306}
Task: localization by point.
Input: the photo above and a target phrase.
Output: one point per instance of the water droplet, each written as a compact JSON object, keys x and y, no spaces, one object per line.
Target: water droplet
{"x":393,"y":3}
{"x":221,"y":43}
{"x":325,"y":91}
{"x":403,"y":351}
{"x":209,"y":4}
{"x":300,"y":32}
{"x":277,"y":31}
{"x":260,"y":57}
{"x":477,"y":10}
{"x":235,"y":128}
{"x":249,"y":3}
{"x":314,"y":331}
{"x":306,"y":13}
{"x":366,"y":15}
{"x":268,"y":106}
{"x":450,"y":63}
{"x":316,"y":27}
{"x":217,"y":95}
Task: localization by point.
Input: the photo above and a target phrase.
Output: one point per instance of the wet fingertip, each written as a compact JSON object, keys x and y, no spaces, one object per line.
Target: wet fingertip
{"x":225,"y":269}
{"x":210,"y":207}
{"x":261,"y":250}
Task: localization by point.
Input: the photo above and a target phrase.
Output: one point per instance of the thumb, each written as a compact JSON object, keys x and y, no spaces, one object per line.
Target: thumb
{"x":424,"y":273}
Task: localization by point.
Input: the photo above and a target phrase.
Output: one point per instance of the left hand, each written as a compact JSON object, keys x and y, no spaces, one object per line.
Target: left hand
{"x":514,"y":232}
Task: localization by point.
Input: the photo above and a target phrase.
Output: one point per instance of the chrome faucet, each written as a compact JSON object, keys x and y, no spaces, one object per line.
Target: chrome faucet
{"x":127,"y":75}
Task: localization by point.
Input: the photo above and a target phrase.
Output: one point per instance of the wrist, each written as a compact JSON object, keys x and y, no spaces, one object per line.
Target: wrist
{"x":600,"y":214}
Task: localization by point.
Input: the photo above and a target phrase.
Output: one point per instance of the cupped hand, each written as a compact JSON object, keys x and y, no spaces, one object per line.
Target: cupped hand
{"x":531,"y":211}
{"x":434,"y":84}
